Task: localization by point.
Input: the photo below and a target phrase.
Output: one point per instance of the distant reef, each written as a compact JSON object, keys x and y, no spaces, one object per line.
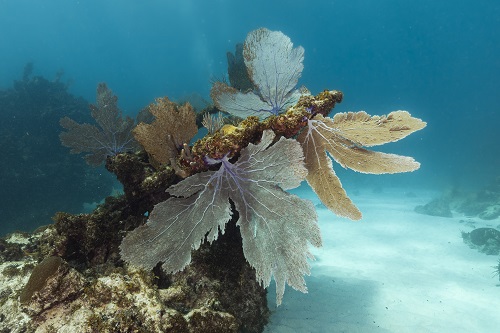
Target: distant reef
{"x":484,"y":203}
{"x":485,"y":240}
{"x":37,"y":174}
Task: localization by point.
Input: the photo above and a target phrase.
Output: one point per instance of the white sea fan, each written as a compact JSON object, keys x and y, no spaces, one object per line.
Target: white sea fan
{"x":212,"y":122}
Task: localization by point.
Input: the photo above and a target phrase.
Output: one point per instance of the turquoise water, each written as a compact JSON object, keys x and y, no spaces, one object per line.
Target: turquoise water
{"x":440,"y":60}
{"x":437,"y":59}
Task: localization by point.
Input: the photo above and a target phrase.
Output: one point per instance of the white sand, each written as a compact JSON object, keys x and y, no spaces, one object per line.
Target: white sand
{"x":393,"y":271}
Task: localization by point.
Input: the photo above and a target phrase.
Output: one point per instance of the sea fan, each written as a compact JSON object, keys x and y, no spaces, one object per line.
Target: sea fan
{"x":112,"y":136}
{"x":344,"y":137}
{"x":275,"y":226}
{"x":274,"y":66}
{"x":174,"y":125}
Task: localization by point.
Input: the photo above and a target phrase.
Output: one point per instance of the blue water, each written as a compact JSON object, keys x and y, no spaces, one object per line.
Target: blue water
{"x":438,"y":59}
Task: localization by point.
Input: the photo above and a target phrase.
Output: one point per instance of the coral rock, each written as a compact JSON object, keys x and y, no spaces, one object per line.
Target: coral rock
{"x":51,"y":283}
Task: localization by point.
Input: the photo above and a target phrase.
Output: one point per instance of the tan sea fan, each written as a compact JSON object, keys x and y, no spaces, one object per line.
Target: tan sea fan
{"x":174,"y":125}
{"x":344,"y":137}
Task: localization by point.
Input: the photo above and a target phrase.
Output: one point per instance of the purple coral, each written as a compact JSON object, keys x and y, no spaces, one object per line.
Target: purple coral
{"x":276,"y":227}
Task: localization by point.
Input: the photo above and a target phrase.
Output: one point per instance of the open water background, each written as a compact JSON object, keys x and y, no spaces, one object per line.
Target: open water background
{"x":440,"y":60}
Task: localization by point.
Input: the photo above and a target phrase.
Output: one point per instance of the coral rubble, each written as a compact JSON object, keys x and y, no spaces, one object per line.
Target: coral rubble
{"x":486,"y":240}
{"x":483,"y":203}
{"x":436,"y":207}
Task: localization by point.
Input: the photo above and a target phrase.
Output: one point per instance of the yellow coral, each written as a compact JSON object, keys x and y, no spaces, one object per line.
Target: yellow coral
{"x":228,"y":129}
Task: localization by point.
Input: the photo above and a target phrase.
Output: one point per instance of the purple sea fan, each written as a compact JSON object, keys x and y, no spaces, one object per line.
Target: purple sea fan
{"x":274,"y":66}
{"x":276,"y":226}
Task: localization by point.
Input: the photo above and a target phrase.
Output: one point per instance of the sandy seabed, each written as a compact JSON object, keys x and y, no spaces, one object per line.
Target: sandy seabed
{"x":393,"y":271}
